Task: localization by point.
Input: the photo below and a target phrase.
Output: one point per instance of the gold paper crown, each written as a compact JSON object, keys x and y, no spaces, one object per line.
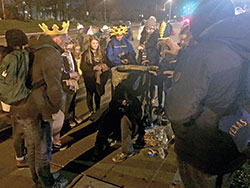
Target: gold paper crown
{"x":55,"y":29}
{"x":163,"y":27}
{"x":118,"y":30}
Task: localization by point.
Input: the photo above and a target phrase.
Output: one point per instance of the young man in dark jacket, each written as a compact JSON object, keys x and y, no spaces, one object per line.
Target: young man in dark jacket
{"x":205,"y":88}
{"x":16,"y":40}
{"x":120,"y":50}
{"x":36,"y":112}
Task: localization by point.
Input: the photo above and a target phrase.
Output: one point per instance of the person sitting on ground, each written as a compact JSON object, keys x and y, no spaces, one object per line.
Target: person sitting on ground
{"x":122,"y":120}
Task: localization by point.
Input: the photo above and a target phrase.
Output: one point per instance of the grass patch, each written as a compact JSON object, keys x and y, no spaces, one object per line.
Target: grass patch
{"x":31,"y":26}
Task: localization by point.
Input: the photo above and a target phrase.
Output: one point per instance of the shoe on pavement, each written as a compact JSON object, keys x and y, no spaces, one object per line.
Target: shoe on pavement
{"x":22,"y":163}
{"x":55,"y":175}
{"x":120,"y":157}
{"x":72,"y":124}
{"x":60,"y":183}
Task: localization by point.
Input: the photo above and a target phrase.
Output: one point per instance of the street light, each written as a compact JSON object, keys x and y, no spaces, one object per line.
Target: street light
{"x":4,"y":15}
{"x":170,"y":8}
{"x":105,"y":13}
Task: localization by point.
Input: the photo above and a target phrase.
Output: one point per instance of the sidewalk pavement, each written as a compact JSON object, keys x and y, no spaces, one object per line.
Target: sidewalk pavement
{"x":74,"y":163}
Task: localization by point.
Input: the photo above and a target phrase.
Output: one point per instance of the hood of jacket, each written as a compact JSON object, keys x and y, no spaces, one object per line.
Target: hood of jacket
{"x":43,"y":39}
{"x":233,"y":31}
{"x":209,"y":12}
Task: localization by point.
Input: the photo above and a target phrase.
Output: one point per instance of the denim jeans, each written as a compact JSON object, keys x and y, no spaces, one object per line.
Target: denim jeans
{"x":194,"y":178}
{"x":18,"y":135}
{"x":126,"y":134}
{"x":39,"y":145}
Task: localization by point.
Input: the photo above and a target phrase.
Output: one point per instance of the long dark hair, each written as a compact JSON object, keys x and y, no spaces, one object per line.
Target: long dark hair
{"x":88,"y":57}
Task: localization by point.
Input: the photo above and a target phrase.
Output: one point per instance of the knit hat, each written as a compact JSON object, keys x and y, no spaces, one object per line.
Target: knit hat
{"x":15,"y":37}
{"x":151,"y":23}
{"x":79,"y":26}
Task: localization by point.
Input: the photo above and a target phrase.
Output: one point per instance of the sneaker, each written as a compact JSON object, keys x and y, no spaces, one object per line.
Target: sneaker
{"x":72,"y":124}
{"x":60,"y":183}
{"x":56,"y":147}
{"x":78,"y":120}
{"x":55,"y":175}
{"x":59,"y":147}
{"x":120,"y":157}
{"x":22,"y":163}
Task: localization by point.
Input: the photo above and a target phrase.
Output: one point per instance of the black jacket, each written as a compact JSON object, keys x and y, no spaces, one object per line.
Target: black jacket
{"x":206,"y":88}
{"x":89,"y":74}
{"x":151,"y":50}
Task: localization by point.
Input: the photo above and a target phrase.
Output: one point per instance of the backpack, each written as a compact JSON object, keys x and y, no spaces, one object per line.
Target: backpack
{"x":13,"y":75}
{"x":15,"y":82}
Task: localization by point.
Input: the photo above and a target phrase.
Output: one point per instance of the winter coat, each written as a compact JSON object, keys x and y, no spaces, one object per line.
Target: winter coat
{"x":151,"y":50}
{"x":46,"y":95}
{"x":206,"y":88}
{"x":116,"y":47}
{"x":89,"y":74}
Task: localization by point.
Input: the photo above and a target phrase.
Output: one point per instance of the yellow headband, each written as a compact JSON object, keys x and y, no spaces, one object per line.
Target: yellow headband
{"x":118,"y":30}
{"x":55,"y":29}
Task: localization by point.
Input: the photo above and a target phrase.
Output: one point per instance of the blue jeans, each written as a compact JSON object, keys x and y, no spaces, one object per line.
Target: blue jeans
{"x":39,"y":146}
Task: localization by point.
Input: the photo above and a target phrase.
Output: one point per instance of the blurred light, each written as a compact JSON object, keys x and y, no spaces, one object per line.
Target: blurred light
{"x":189,"y":8}
{"x":26,"y":12}
{"x":239,"y":10}
{"x":186,"y":21}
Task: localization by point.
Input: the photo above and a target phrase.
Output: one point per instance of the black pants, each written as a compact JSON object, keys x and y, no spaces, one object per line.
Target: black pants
{"x":97,"y":98}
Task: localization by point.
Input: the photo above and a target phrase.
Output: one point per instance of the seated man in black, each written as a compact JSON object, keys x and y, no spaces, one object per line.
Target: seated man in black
{"x":124,"y":117}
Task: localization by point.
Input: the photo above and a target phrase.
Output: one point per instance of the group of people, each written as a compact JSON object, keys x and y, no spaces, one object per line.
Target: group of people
{"x":207,"y":91}
{"x":204,"y":79}
{"x":51,"y":68}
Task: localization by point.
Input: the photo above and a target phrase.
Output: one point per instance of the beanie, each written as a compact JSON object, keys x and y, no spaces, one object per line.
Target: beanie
{"x":151,"y":23}
{"x":15,"y":37}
